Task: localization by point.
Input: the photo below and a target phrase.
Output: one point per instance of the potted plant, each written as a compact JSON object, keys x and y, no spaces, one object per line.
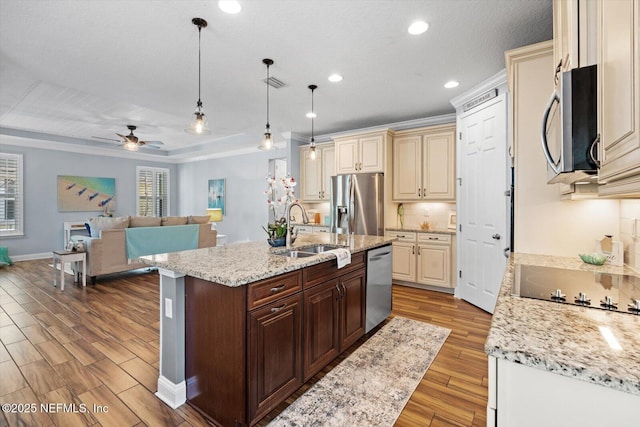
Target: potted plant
{"x":277,"y":227}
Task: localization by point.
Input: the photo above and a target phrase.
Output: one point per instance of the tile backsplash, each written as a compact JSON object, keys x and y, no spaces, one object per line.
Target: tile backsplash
{"x":630,"y":231}
{"x":436,"y":214}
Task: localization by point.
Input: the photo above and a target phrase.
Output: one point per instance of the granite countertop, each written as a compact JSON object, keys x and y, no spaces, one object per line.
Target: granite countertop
{"x":565,"y":339}
{"x":242,"y":263}
{"x":419,"y":230}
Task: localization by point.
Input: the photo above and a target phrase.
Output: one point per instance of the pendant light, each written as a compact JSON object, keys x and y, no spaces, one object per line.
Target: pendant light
{"x":267,"y":142}
{"x":198,"y":125}
{"x":312,"y":147}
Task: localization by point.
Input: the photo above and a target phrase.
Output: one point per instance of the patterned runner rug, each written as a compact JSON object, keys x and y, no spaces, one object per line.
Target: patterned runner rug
{"x":372,"y":385}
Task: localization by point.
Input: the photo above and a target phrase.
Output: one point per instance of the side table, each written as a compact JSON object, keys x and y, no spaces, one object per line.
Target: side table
{"x":63,"y":257}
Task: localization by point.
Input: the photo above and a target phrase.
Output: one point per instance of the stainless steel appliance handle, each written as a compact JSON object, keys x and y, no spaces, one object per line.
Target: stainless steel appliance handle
{"x":545,"y":145}
{"x":377,"y":257}
{"x":593,"y":157}
{"x":352,"y":206}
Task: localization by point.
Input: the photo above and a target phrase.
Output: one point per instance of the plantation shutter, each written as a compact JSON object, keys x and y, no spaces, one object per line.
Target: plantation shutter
{"x":11,"y":195}
{"x":153,"y":191}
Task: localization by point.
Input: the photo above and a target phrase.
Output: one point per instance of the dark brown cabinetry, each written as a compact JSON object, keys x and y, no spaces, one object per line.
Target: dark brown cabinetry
{"x":274,"y":351}
{"x":250,"y":347}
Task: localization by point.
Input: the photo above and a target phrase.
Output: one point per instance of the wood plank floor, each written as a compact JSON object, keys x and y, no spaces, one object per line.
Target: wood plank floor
{"x":97,"y":348}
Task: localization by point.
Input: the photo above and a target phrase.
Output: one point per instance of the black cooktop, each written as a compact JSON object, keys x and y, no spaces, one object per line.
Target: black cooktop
{"x":606,"y":291}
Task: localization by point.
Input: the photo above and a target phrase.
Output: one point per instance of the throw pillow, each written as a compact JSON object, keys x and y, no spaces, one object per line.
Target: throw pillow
{"x":203,"y":219}
{"x":96,"y":225}
{"x":145,"y":221}
{"x":174,"y":220}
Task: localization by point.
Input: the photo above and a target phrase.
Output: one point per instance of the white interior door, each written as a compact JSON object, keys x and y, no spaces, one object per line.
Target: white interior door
{"x":482,"y":204}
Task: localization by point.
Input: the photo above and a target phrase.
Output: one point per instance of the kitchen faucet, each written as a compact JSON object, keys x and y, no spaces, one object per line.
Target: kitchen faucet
{"x":287,"y":215}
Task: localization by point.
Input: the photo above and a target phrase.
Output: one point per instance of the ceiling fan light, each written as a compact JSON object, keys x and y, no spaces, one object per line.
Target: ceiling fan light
{"x":131,"y":146}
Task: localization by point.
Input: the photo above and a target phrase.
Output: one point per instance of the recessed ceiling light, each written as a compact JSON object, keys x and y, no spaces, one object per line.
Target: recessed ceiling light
{"x":229,"y":6}
{"x":451,"y":84}
{"x":418,"y":27}
{"x":335,"y":78}
{"x":311,"y":114}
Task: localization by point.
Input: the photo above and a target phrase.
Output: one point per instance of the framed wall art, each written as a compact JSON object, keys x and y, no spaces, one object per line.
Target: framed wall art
{"x":217,"y":195}
{"x":86,"y":194}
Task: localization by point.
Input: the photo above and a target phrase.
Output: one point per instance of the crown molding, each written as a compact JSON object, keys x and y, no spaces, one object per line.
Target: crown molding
{"x":498,"y":79}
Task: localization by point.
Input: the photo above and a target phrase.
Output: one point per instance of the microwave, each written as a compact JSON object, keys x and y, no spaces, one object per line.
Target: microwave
{"x":570,"y":128}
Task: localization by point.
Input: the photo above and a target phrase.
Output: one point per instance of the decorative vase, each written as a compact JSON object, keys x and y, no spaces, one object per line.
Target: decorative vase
{"x":279,"y":241}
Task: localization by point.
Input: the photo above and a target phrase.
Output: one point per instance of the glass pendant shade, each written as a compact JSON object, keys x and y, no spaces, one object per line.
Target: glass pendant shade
{"x":267,"y":142}
{"x":199,"y":124}
{"x":312,"y":151}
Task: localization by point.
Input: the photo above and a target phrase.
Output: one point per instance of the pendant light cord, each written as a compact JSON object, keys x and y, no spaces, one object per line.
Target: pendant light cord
{"x":267,"y":95}
{"x":199,"y":62}
{"x":312,"y":115}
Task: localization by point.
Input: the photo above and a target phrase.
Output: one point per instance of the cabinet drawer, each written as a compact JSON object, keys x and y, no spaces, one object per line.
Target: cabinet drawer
{"x":266,"y":291}
{"x":319,"y":273}
{"x":407,"y":236}
{"x":434,"y":238}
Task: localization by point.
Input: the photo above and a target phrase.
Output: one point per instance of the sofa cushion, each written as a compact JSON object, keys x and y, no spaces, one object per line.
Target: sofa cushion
{"x":203,"y":219}
{"x":145,"y":221}
{"x":174,"y":220}
{"x":97,"y":224}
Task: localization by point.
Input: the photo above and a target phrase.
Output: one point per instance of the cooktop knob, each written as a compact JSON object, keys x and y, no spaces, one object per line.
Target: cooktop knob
{"x":582,"y":298}
{"x":635,"y":306}
{"x":608,"y":302}
{"x":558,"y":295}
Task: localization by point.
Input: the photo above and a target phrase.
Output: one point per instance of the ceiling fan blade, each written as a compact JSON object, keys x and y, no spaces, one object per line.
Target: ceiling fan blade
{"x":106,"y":139}
{"x":126,"y":138}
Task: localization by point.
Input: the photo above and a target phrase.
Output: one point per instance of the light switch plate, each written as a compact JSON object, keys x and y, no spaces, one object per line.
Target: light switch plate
{"x":168,"y":309}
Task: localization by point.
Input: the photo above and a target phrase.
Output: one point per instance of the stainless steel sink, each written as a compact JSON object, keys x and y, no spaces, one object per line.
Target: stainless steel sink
{"x":307,"y":251}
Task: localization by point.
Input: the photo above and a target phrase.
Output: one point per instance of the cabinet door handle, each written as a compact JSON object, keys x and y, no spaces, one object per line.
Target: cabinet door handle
{"x":413,"y":250}
{"x":433,"y":238}
{"x":278,"y":288}
{"x":418,"y":250}
{"x":401,"y":235}
{"x":277,"y":309}
{"x":339,"y":291}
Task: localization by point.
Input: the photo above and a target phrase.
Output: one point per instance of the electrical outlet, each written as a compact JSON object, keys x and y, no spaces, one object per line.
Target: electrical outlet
{"x":168,"y":309}
{"x":426,"y":212}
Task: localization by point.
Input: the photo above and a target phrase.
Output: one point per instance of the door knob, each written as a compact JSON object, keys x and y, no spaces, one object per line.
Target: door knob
{"x":496,"y":236}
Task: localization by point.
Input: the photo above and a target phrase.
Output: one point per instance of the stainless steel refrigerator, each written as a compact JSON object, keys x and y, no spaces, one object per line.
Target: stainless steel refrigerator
{"x":357,"y":204}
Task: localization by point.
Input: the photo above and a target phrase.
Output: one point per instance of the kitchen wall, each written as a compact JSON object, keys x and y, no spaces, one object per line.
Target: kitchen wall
{"x":245,"y":202}
{"x":630,"y":222}
{"x":43,"y":224}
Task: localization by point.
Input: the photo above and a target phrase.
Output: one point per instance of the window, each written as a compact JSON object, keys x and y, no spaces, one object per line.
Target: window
{"x":11,"y":189}
{"x":152,"y":191}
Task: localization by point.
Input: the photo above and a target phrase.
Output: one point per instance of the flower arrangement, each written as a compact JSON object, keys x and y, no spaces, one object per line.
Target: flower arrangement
{"x":278,"y":205}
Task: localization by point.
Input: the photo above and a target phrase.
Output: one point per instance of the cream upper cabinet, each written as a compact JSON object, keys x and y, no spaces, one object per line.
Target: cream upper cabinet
{"x":316,"y":173}
{"x":618,"y":40}
{"x":424,"y":164}
{"x":362,"y":153}
{"x":565,"y":35}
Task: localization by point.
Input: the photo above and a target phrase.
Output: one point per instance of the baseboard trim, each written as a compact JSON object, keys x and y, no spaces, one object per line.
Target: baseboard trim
{"x":174,"y":395}
{"x":426,"y":287}
{"x":30,"y":257}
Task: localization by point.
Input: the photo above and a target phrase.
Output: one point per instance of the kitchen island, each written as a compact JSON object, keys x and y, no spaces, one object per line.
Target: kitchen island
{"x":550,"y":364}
{"x":243,"y":326}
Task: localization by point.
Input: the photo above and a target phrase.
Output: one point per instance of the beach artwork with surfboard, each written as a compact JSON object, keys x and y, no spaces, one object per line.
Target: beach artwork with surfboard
{"x":86,"y":194}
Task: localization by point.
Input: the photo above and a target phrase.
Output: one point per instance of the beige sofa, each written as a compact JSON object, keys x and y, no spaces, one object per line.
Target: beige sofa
{"x":107,"y":252}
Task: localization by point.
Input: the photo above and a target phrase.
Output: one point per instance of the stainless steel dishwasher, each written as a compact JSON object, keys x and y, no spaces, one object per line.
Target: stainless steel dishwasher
{"x":378,"y":285}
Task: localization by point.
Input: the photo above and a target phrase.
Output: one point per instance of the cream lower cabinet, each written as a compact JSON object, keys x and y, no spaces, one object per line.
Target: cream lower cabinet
{"x":618,"y":41}
{"x":404,"y":256}
{"x":362,"y":153}
{"x":424,"y":164}
{"x":434,"y":259}
{"x":422,"y":258}
{"x":315,"y":182}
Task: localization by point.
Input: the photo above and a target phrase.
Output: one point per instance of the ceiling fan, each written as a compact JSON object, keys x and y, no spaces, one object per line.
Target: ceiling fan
{"x":131,"y":142}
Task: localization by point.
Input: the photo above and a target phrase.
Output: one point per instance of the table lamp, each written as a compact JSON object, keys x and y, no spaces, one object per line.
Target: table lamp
{"x":215,"y":215}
